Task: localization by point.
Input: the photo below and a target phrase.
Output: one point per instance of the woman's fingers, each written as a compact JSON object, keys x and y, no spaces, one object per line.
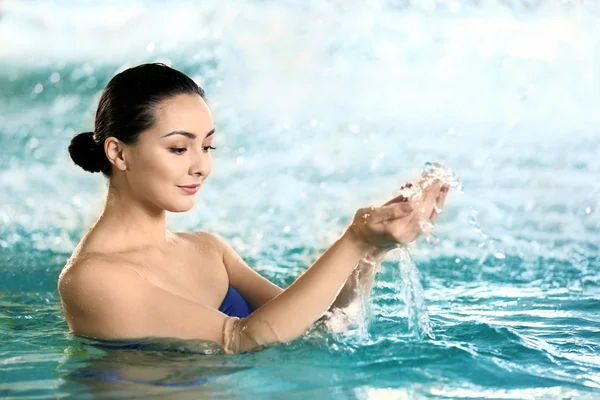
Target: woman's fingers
{"x":429,"y":198}
{"x":432,"y":199}
{"x":442,"y":196}
{"x":440,"y":200}
{"x":400,"y":198}
{"x":408,"y":230}
{"x":399,"y":219}
{"x":392,"y":211}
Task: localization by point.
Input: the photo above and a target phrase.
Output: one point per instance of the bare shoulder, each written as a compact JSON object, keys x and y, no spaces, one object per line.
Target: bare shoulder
{"x":98,"y":295}
{"x":87,"y":272}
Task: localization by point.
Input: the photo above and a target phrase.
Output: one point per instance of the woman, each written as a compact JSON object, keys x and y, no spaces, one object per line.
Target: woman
{"x":130,"y":277}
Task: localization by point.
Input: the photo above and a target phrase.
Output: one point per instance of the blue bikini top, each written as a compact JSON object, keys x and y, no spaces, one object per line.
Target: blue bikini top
{"x":235,"y":305}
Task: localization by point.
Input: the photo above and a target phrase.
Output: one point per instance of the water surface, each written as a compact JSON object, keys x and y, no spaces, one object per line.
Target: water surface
{"x":322,"y":108}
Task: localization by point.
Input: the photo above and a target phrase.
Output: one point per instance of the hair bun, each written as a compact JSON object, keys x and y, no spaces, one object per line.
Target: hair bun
{"x":86,"y":153}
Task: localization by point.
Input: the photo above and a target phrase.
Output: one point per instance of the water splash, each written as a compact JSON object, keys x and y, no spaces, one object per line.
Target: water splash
{"x":356,"y":314}
{"x":487,"y":243}
{"x":354,"y":317}
{"x":419,"y":324}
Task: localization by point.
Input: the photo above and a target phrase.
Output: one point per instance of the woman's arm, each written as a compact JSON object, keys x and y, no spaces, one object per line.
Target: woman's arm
{"x":293,"y":311}
{"x":360,"y":280}
{"x":254,"y":288}
{"x":362,"y":277}
{"x":257,"y":290}
{"x":111,"y":301}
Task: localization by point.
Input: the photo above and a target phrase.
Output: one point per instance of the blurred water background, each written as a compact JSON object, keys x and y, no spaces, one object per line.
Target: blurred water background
{"x":323,"y":107}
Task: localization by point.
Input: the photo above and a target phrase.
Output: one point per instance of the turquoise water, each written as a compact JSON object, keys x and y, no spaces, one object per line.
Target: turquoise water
{"x":322,"y":108}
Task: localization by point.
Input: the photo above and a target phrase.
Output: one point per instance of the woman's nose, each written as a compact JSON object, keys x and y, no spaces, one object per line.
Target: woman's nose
{"x":201,"y":164}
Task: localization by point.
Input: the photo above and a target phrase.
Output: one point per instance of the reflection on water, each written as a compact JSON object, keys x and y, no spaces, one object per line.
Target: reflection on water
{"x":144,"y":368}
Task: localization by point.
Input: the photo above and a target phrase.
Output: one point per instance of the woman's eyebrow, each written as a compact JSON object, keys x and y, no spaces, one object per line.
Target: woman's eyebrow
{"x":187,"y":134}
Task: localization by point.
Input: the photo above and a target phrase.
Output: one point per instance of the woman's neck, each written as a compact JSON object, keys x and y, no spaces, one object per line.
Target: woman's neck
{"x":131,"y":223}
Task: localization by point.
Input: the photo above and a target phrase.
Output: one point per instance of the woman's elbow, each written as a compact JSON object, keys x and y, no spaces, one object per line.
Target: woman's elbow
{"x":246,"y":334}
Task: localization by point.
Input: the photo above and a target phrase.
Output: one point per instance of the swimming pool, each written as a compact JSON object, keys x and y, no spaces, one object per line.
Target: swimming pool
{"x":321,"y":108}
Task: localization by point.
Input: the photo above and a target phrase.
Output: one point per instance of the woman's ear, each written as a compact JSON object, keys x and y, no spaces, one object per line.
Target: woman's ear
{"x":115,"y":152}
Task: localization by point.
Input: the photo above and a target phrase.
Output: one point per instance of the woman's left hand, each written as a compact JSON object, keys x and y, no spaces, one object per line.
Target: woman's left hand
{"x":439,"y":202}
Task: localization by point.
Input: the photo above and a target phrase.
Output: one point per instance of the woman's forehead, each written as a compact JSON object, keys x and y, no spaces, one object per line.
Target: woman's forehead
{"x":184,"y":113}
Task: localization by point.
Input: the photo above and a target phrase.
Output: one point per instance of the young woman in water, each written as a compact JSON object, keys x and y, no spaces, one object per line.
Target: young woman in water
{"x":130,"y":277}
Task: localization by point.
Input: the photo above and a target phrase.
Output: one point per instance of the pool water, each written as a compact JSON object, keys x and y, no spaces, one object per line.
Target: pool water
{"x":322,"y":108}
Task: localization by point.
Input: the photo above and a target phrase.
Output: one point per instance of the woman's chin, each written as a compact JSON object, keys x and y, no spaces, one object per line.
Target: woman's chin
{"x":181,"y":206}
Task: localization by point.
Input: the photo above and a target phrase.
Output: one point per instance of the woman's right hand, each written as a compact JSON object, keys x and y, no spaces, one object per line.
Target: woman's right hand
{"x":397,"y":221}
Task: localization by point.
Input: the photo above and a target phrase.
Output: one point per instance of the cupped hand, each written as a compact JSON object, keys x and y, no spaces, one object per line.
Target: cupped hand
{"x":439,"y":202}
{"x":396,"y":222}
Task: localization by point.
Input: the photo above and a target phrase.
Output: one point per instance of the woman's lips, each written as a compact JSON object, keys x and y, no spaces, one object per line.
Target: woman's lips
{"x":191,"y":189}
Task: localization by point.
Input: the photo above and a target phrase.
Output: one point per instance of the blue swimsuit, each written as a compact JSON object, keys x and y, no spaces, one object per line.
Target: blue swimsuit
{"x":234,"y":304}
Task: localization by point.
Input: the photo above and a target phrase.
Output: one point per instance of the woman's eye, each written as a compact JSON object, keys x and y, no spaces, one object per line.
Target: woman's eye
{"x":181,"y":150}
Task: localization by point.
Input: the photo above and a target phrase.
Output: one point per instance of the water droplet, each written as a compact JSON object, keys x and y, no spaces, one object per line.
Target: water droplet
{"x":33,"y":143}
{"x":454,"y":7}
{"x":239,"y":160}
{"x":87,"y":68}
{"x":39,"y":88}
{"x":353,"y":128}
{"x":150,"y":47}
{"x":286,"y":229}
{"x":588,"y":210}
{"x":55,"y":77}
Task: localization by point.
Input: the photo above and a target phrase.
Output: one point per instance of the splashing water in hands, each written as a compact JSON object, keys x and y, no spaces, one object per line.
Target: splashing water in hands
{"x":393,"y":226}
{"x":419,"y":324}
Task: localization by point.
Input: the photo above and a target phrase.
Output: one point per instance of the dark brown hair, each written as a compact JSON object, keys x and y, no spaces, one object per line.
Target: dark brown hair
{"x":126,"y":109}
